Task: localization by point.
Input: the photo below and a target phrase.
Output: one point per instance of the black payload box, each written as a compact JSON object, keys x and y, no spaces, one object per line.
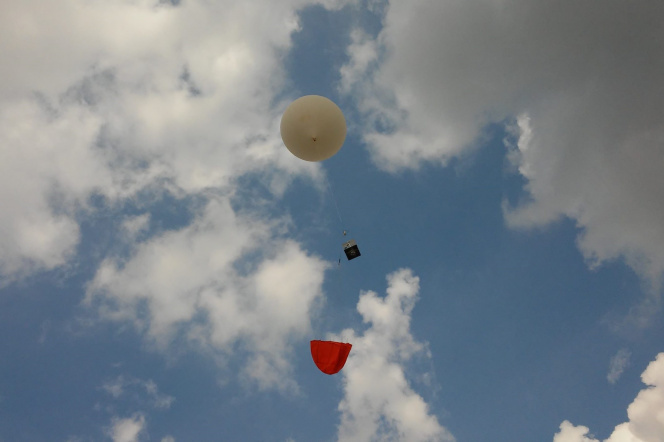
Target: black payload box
{"x":351,"y":250}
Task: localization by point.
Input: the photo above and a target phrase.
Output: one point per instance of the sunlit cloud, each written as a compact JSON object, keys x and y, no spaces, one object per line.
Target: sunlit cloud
{"x":196,"y":283}
{"x":379,"y":402}
{"x":645,"y":423}
{"x":127,"y":429}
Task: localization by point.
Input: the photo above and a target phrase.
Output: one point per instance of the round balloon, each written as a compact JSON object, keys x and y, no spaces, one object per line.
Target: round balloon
{"x":313,"y":128}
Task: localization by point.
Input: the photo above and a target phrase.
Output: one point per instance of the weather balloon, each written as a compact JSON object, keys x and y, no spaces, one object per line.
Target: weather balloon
{"x":329,"y":356}
{"x":313,"y":128}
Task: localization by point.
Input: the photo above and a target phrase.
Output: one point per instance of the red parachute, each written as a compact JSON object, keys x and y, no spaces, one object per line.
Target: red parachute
{"x":329,"y":356}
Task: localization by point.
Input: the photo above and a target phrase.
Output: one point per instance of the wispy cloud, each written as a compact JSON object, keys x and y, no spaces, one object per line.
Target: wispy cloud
{"x":143,"y":392}
{"x":619,"y":362}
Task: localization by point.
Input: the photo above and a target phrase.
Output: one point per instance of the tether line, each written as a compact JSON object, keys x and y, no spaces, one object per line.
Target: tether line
{"x":336,"y":206}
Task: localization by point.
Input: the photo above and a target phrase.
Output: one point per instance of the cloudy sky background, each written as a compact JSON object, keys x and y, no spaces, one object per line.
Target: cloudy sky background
{"x":164,"y":260}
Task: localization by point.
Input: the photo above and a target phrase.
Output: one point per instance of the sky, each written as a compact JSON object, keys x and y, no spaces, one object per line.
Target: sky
{"x":165,"y":260}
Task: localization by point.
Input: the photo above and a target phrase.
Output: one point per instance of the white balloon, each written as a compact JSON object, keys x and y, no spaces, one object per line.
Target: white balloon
{"x":313,"y":128}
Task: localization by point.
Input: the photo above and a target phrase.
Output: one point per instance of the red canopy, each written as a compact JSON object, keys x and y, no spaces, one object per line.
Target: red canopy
{"x":330,"y":356}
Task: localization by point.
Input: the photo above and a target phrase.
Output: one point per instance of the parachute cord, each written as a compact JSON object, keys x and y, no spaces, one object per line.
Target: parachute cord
{"x":340,"y":271}
{"x":336,"y":206}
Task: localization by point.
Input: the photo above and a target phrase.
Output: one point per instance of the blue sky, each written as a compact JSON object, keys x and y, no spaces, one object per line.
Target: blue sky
{"x":164,"y":260}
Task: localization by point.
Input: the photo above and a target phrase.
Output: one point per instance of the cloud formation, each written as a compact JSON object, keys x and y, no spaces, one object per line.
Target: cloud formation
{"x":48,"y":170}
{"x":645,"y":423}
{"x":197,"y":284}
{"x":180,"y":99}
{"x":582,"y":86}
{"x":379,"y":403}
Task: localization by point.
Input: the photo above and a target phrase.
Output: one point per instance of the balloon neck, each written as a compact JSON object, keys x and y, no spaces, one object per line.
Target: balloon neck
{"x":313,"y":138}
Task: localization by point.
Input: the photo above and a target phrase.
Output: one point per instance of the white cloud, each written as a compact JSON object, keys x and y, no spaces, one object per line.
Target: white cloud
{"x":645,"y":413}
{"x":619,"y":362}
{"x":127,"y":429}
{"x":197,"y":282}
{"x":571,"y":433}
{"x":47,"y":170}
{"x":181,"y":100}
{"x":363,"y":55}
{"x":178,"y":99}
{"x":585,"y":85}
{"x":129,"y":392}
{"x":378,"y":402}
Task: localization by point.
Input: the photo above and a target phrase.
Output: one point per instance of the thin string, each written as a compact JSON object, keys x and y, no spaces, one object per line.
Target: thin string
{"x":340,"y":273}
{"x":336,"y":206}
